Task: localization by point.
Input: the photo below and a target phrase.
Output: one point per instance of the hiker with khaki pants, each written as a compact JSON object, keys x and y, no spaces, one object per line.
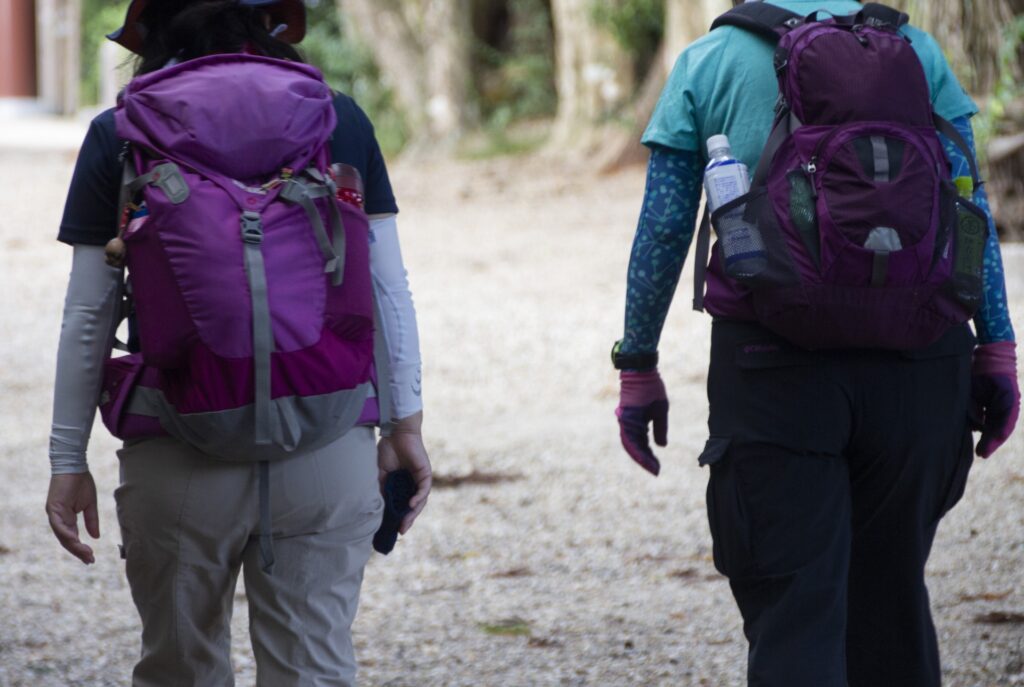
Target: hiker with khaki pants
{"x":270,"y":331}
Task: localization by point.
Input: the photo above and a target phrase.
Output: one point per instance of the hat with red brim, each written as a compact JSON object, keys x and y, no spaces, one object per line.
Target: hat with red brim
{"x":291,"y":13}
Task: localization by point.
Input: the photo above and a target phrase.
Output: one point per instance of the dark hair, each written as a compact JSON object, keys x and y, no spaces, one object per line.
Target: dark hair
{"x":186,"y":29}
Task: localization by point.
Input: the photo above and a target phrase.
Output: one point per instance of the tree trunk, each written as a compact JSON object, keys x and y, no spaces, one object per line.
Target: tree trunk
{"x":592,"y":75}
{"x":57,"y":23}
{"x":972,"y":33}
{"x":423,"y":51}
{"x":685,"y":22}
{"x":969,"y":31}
{"x":447,"y":60}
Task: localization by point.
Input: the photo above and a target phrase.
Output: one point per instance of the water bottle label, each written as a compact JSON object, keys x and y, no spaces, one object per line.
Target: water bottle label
{"x":724,"y":183}
{"x":742,"y":246}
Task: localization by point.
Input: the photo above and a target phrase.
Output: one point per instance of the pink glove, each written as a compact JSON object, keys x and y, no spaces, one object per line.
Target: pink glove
{"x":995,"y":396}
{"x":642,"y":400}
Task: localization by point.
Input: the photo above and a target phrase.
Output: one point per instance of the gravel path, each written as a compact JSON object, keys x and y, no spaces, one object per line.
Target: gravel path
{"x":572,"y":566}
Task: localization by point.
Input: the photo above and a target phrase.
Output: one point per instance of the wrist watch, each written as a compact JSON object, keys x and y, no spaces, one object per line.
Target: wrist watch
{"x":632,"y":361}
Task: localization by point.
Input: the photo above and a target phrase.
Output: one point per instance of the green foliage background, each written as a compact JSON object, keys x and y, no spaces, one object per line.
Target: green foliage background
{"x":99,"y":17}
{"x":637,"y":25}
{"x":993,"y":119}
{"x":513,"y":76}
{"x":516,"y":80}
{"x":349,"y":67}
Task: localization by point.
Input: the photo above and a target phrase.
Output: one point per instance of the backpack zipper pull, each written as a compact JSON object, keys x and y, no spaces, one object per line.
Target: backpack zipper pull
{"x":810,"y":169}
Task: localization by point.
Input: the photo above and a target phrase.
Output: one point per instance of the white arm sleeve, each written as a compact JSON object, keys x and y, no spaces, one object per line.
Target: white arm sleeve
{"x":86,"y":337}
{"x":391,"y":288}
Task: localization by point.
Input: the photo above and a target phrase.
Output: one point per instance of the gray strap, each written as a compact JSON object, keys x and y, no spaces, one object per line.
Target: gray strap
{"x":880,"y":268}
{"x":326,"y":187}
{"x":315,"y":175}
{"x":880,"y":154}
{"x":139,"y":182}
{"x":266,"y":532}
{"x":262,"y":334}
{"x":338,"y":231}
{"x":301,"y":194}
{"x":700,"y":260}
{"x":167,"y":177}
{"x":383,"y":366}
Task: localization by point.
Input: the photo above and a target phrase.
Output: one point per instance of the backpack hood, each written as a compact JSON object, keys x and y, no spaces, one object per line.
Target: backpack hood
{"x":242,"y":116}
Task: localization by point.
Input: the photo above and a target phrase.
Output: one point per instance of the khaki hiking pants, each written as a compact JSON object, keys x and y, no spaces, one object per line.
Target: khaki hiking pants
{"x":189,"y":524}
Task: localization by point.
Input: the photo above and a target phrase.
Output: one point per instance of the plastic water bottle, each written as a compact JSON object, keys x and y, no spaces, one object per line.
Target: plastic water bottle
{"x":725,"y":179}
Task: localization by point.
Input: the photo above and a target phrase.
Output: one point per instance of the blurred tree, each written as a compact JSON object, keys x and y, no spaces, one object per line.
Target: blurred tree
{"x":349,"y":66}
{"x":513,"y":60}
{"x":423,"y":50}
{"x":99,"y":17}
{"x":684,"y":22}
{"x":983,"y":40}
{"x":593,"y":74}
{"x":970,"y":31}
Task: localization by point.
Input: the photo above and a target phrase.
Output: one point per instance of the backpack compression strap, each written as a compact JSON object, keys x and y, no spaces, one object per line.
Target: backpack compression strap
{"x":766,"y":20}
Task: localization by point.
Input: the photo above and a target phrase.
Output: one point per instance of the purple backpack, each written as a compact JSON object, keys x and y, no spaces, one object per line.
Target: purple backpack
{"x":866,"y":241}
{"x":249,"y":281}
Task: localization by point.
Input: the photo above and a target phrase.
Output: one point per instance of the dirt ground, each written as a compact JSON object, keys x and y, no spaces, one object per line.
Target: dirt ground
{"x":572,"y":566}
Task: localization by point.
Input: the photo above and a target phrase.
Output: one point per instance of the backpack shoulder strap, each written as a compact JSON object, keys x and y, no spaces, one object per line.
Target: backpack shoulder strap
{"x":881,"y":16}
{"x":947,"y":129}
{"x":764,"y":19}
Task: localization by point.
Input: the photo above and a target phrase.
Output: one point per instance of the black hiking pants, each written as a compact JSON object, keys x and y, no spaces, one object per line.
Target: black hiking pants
{"x":829,"y":475}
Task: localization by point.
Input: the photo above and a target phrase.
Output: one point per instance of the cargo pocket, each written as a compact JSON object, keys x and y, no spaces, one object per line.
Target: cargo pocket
{"x":772,"y":510}
{"x":714,"y":450}
{"x":727,"y":520}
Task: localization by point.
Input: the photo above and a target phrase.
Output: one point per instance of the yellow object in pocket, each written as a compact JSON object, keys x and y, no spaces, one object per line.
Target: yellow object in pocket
{"x":964,"y":186}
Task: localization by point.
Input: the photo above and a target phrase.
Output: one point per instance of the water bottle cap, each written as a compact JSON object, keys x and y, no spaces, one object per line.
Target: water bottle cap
{"x":717,"y":142}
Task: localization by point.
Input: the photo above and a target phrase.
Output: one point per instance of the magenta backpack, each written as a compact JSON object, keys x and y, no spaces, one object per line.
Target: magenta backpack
{"x":866,"y":241}
{"x":249,"y":281}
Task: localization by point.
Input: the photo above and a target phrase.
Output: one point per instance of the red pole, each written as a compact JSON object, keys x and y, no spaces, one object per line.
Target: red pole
{"x":17,"y":48}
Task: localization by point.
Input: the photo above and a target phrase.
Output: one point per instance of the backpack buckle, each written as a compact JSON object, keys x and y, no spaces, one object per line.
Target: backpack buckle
{"x":252,"y":227}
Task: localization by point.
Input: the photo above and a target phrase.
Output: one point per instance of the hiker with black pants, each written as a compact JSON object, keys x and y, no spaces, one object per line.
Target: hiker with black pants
{"x":844,"y":380}
{"x":271,"y":328}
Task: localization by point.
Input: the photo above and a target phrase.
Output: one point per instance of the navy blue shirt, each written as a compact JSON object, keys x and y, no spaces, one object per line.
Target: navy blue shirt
{"x":90,"y":212}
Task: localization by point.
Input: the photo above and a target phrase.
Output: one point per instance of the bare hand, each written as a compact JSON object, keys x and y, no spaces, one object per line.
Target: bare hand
{"x":70,"y":495}
{"x":404,"y":449}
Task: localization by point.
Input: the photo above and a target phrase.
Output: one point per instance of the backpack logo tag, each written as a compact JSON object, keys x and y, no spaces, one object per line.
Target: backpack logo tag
{"x":167,"y":177}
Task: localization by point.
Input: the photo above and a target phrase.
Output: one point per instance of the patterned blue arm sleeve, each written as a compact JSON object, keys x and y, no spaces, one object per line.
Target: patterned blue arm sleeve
{"x":992,"y":321}
{"x":663,"y":236}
